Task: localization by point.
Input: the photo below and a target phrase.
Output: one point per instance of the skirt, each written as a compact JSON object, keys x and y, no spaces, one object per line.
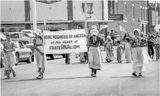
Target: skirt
{"x":9,"y":61}
{"x":146,"y":56}
{"x":95,"y":58}
{"x":137,"y":55}
{"x":39,"y":59}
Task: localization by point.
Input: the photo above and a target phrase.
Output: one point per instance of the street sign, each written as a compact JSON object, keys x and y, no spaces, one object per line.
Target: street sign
{"x":115,"y":17}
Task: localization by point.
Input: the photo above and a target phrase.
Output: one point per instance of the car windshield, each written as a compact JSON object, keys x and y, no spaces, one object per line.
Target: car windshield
{"x":15,"y":35}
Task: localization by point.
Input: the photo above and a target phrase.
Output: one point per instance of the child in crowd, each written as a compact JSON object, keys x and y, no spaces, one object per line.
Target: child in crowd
{"x":127,"y":48}
{"x":119,"y":51}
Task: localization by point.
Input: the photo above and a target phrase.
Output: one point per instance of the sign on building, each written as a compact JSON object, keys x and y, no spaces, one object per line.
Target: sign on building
{"x":115,"y":17}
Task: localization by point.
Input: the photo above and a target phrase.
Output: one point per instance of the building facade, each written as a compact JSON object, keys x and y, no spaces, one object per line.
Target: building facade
{"x":134,"y":15}
{"x":153,"y":16}
{"x":70,"y":14}
{"x":64,"y":14}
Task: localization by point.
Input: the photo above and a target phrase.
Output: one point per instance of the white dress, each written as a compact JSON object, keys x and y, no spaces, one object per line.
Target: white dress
{"x":9,"y":56}
{"x":127,"y":51}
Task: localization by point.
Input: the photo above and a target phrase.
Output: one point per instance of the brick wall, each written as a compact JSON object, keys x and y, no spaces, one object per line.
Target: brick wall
{"x":130,"y":23}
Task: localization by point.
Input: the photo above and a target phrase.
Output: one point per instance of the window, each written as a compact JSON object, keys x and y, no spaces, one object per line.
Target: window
{"x":125,"y":10}
{"x":21,"y":45}
{"x":141,"y":8}
{"x":144,"y":11}
{"x":116,"y":6}
{"x":133,"y":11}
{"x":15,"y":35}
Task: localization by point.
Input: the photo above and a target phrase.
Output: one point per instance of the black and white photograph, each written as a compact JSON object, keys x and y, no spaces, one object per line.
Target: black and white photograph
{"x":80,"y":47}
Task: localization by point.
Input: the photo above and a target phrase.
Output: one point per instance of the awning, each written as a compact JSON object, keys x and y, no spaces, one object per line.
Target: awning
{"x":95,"y":21}
{"x":39,"y":22}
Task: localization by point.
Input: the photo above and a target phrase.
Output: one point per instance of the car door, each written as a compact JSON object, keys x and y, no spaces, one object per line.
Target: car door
{"x":23,"y":51}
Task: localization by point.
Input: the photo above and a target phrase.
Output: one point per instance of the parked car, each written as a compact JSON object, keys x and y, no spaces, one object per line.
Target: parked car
{"x":28,"y":33}
{"x":20,"y":36}
{"x":22,"y":52}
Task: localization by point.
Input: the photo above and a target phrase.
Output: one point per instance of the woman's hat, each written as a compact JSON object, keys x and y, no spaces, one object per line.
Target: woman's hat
{"x":38,"y":32}
{"x":109,"y":37}
{"x":94,"y":27}
{"x":136,"y":30}
{"x":94,"y":32}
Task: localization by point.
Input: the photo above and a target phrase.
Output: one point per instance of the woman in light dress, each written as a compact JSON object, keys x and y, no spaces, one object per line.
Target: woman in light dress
{"x":94,"y":52}
{"x":9,"y":57}
{"x":127,"y":48}
{"x":139,"y":54}
{"x":109,"y":49}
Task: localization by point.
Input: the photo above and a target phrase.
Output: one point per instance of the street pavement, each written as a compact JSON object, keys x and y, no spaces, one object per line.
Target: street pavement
{"x":74,"y":80}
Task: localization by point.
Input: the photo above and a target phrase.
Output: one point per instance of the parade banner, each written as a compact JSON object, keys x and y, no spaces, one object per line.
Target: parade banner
{"x":61,"y":42}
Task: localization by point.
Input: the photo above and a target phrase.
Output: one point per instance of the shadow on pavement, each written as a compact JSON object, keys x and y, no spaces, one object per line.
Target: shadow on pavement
{"x":125,"y":77}
{"x":63,"y":78}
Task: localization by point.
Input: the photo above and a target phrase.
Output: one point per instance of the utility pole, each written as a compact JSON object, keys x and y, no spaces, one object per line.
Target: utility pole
{"x":85,"y":24}
{"x":148,"y":29}
{"x":155,"y":12}
{"x":34,"y":15}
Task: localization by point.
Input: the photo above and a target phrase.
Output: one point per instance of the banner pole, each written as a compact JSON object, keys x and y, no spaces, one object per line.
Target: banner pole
{"x":45,"y":27}
{"x":34,"y":15}
{"x":85,"y":24}
{"x":34,"y":21}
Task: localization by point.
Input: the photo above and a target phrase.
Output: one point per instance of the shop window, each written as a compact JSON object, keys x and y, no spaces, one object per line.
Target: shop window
{"x":125,"y":10}
{"x":133,"y":11}
{"x":141,"y":8}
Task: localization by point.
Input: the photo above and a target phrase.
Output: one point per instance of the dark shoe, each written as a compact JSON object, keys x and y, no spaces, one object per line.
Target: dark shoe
{"x":14,"y":74}
{"x":134,"y":74}
{"x":40,"y":77}
{"x":128,"y":62}
{"x":94,"y":75}
{"x":8,"y":74}
{"x":140,"y":74}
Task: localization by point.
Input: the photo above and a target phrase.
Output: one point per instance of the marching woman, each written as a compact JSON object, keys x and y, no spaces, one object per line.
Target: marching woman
{"x":39,"y":54}
{"x":10,"y":58}
{"x":94,"y":52}
{"x":137,"y":54}
{"x":109,"y":49}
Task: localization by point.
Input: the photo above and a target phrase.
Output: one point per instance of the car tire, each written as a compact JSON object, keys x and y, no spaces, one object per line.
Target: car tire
{"x":63,"y":55}
{"x":29,"y":60}
{"x":52,"y":57}
{"x":17,"y":58}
